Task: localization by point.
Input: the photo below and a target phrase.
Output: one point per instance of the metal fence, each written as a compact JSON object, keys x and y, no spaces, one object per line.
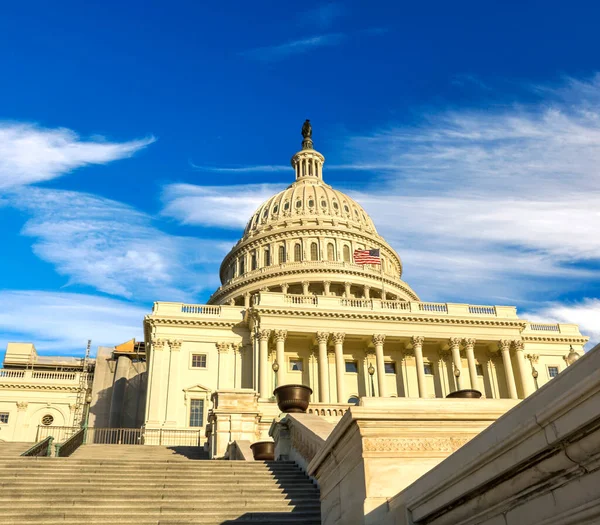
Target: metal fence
{"x":126,"y":436}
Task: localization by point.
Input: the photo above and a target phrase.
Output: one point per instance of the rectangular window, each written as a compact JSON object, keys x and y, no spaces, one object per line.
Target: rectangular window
{"x":552,"y":371}
{"x":428,"y":369}
{"x":4,"y":417}
{"x":296,"y":365}
{"x":479,"y":369}
{"x":351,"y":367}
{"x":198,"y":360}
{"x":196,"y":412}
{"x":390,"y":367}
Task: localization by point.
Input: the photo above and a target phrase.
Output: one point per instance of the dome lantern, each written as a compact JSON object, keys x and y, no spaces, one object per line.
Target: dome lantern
{"x":308,"y":163}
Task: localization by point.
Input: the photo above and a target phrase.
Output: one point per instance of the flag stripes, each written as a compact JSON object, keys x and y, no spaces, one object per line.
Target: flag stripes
{"x":367,"y":257}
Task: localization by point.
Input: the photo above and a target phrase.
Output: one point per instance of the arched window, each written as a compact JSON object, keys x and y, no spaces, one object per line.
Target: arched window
{"x":254,"y":262}
{"x":281,"y":254}
{"x":330,"y":252}
{"x":267,"y":257}
{"x":242,"y":265}
{"x":346,"y":253}
{"x":314,"y":252}
{"x":297,"y":252}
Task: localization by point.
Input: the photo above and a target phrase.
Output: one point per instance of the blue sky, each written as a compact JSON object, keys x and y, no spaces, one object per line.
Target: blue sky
{"x":136,"y":138}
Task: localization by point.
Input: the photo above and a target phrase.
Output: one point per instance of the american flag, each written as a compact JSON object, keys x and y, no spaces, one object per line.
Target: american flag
{"x":367,"y":257}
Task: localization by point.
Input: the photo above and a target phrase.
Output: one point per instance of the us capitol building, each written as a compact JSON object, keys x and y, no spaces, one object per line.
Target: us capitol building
{"x":294,"y":307}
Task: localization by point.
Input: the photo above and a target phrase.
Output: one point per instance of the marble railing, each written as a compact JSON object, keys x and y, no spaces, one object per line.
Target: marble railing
{"x":335,"y":302}
{"x":39,"y":376}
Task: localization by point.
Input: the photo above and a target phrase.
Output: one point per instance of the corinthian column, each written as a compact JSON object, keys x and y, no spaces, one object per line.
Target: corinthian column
{"x":378,"y":340}
{"x":322,"y":338}
{"x":280,"y":336}
{"x":470,"y":351}
{"x":455,"y":349}
{"x":524,"y":376}
{"x":263,"y":363}
{"x":417,"y":346}
{"x":504,"y":347}
{"x":340,"y":365}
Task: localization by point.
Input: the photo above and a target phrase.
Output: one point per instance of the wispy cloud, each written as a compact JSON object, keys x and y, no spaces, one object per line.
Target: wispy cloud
{"x":585,"y":313}
{"x":61,"y":323}
{"x":196,"y":205}
{"x":264,"y":168}
{"x":293,"y":47}
{"x":323,"y":15}
{"x":114,"y":248}
{"x":30,"y":154}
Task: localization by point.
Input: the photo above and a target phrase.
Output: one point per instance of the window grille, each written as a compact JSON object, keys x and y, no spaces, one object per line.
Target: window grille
{"x":330,"y":252}
{"x":4,"y":417}
{"x":314,"y":252}
{"x":199,"y":361}
{"x":390,"y":367}
{"x":297,"y":253}
{"x":351,"y":367}
{"x":196,"y":412}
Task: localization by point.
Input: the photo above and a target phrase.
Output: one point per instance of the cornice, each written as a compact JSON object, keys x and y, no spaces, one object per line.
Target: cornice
{"x":181,"y":321}
{"x":577,"y":339}
{"x":31,"y":386}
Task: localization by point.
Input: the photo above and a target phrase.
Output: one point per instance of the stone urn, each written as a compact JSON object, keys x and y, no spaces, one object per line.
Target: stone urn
{"x":467,"y":393}
{"x":293,"y":398}
{"x":263,"y":450}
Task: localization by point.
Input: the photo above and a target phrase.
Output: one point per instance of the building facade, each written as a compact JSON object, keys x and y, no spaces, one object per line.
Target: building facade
{"x":294,"y":307}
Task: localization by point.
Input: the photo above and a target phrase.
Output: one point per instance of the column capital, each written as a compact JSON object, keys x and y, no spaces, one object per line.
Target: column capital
{"x":454,"y":342}
{"x":469,"y":342}
{"x":222,"y":348}
{"x":322,"y":337}
{"x":378,"y":339}
{"x":366,"y":287}
{"x":280,"y":335}
{"x":338,"y":337}
{"x":284,"y":287}
{"x":159,"y":344}
{"x":417,"y":340}
{"x":264,"y":334}
{"x":175,"y":344}
{"x":236,"y":347}
{"x":518,"y":345}
{"x":504,"y":345}
{"x":327,"y":282}
{"x":22,"y":406}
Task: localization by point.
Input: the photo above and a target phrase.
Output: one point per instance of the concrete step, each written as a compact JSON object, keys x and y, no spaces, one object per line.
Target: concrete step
{"x":148,"y":487}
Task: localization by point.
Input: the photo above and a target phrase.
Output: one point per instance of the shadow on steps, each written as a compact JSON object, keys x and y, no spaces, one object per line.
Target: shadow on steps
{"x":189,"y":452}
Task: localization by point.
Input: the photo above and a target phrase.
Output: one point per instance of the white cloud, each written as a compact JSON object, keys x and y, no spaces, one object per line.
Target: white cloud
{"x":61,"y":323}
{"x":585,"y":313}
{"x":217,"y":206}
{"x":30,"y":154}
{"x":323,"y":15}
{"x":115,"y":248}
{"x":293,"y":47}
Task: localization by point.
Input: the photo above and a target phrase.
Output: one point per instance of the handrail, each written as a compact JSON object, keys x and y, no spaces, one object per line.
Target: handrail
{"x":67,"y":448}
{"x":42,"y":448}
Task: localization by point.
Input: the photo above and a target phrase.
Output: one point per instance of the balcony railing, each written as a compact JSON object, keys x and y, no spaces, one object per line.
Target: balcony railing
{"x":125,"y":436}
{"x":40,"y":376}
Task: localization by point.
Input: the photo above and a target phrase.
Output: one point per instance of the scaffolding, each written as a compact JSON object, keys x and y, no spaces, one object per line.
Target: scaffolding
{"x":79,"y":418}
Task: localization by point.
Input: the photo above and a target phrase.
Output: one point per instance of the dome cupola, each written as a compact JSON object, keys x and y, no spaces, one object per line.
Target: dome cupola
{"x":302,"y":241}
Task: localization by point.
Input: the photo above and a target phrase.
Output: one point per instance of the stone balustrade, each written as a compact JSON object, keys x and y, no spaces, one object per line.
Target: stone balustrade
{"x":39,"y":376}
{"x":199,"y":310}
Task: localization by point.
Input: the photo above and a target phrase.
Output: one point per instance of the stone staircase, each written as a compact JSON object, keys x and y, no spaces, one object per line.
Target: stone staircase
{"x":13,"y":448}
{"x":153,"y":485}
